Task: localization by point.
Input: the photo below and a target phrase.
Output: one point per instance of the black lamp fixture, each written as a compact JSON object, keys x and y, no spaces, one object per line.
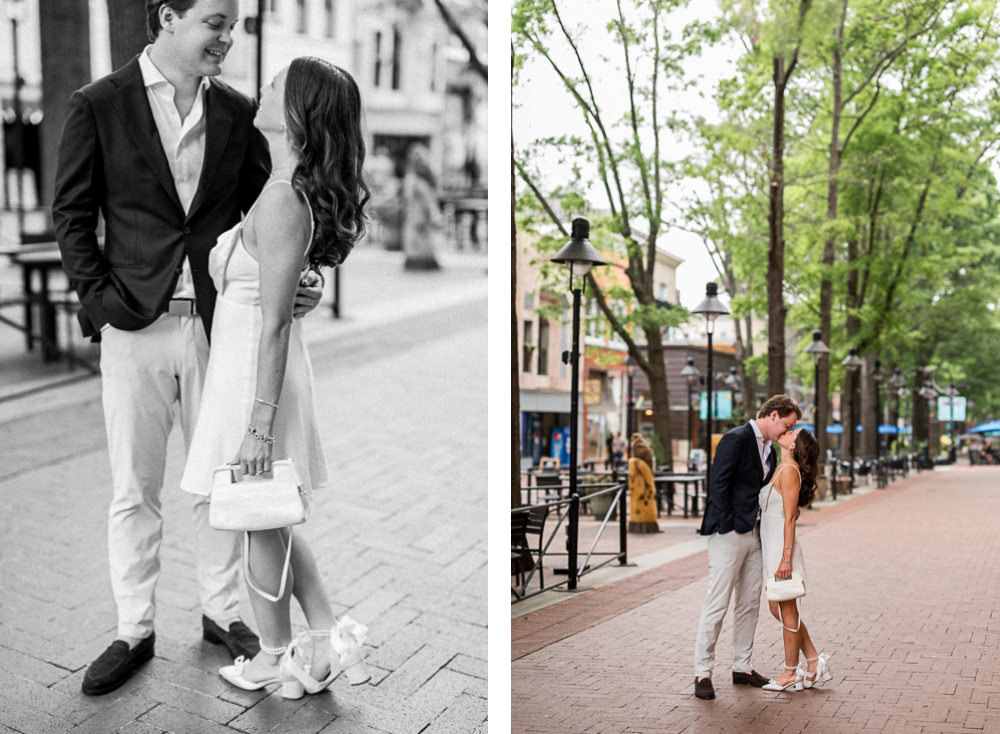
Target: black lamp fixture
{"x":852,"y":363}
{"x":818,"y":350}
{"x":579,"y":256}
{"x":711,"y":308}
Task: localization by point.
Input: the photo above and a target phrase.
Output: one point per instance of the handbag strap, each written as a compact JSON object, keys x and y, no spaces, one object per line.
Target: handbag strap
{"x":797,"y":609}
{"x":284,"y":572}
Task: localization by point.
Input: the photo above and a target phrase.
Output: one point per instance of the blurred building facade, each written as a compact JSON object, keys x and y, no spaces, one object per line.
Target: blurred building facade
{"x":414,"y":75}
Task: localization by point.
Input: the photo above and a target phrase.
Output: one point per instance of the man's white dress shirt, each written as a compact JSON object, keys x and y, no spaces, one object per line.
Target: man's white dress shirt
{"x":183,"y":143}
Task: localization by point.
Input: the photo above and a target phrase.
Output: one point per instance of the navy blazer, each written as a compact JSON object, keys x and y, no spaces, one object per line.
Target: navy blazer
{"x":111,"y":161}
{"x":737,"y":478}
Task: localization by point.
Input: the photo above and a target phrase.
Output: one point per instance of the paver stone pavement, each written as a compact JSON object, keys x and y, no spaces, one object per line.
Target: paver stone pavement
{"x":905,"y":598}
{"x":400,"y":539}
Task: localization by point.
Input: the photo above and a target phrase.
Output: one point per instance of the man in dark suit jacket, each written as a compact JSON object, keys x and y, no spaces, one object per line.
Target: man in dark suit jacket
{"x":170,"y":157}
{"x":744,"y":463}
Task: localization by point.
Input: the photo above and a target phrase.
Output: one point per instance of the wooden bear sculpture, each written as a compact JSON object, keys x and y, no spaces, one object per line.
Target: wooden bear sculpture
{"x":642,"y":490}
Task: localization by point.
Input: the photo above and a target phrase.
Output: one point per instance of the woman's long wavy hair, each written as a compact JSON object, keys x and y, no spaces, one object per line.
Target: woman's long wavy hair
{"x":323,"y":115}
{"x":806,"y":455}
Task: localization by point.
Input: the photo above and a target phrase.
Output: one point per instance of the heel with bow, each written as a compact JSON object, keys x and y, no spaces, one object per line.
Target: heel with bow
{"x":822,"y":674}
{"x":796,"y":684}
{"x":347,"y":638}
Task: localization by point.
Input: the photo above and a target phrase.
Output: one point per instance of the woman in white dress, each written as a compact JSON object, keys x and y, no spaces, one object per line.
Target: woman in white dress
{"x":792,"y":486}
{"x":257,"y":403}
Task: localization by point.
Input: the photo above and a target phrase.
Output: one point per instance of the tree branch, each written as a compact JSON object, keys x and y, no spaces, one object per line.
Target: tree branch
{"x":455,"y":28}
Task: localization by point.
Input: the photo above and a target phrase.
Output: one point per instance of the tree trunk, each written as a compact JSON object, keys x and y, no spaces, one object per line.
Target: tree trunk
{"x":776,"y":247}
{"x":127,"y":30}
{"x":515,"y":373}
{"x":65,"y":68}
{"x":657,"y":376}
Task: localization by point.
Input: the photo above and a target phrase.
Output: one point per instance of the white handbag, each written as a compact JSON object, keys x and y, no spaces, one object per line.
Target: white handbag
{"x":258,"y":503}
{"x":786,"y":590}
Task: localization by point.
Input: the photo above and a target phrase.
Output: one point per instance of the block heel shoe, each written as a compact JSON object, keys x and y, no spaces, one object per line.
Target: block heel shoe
{"x":347,"y":638}
{"x":291,"y":687}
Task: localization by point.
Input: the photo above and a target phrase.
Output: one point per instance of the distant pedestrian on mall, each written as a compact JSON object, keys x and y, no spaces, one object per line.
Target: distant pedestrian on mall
{"x":780,"y":500}
{"x":422,"y":228}
{"x":309,"y":215}
{"x":619,"y":448}
{"x":609,"y":445}
{"x":744,"y":462}
{"x":170,"y":158}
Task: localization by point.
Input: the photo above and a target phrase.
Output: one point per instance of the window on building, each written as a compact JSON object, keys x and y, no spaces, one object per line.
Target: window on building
{"x":528,"y":345}
{"x":434,"y":65}
{"x":273,"y":6}
{"x":301,"y":24}
{"x":543,"y":346}
{"x":529,"y":300}
{"x":329,"y":19}
{"x":378,"y":58}
{"x":396,"y":42}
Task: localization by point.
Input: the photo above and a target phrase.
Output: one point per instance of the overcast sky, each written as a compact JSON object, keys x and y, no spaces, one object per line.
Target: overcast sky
{"x":546,"y":109}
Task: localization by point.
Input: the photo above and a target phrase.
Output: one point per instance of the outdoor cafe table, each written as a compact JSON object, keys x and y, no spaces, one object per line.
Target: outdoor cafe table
{"x":670,"y":479}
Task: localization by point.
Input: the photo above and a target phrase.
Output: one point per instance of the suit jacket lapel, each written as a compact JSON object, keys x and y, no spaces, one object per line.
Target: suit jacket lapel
{"x":132,"y":106}
{"x":219,"y":120}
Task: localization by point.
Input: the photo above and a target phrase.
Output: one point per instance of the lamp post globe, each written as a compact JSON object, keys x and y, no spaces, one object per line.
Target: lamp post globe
{"x":711,"y":308}
{"x":579,"y":256}
{"x":818,"y":350}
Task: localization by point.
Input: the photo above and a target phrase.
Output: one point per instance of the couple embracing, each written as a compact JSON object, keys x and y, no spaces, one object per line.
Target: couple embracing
{"x":218,"y":216}
{"x":750,"y":523}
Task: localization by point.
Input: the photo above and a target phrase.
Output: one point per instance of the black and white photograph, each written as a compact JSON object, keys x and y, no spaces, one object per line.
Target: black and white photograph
{"x":243,"y":366}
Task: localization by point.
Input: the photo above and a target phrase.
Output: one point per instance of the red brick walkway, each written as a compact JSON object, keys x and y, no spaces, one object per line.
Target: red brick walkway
{"x":904,"y":586}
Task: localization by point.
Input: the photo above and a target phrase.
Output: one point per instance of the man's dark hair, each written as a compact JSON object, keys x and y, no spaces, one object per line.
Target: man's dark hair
{"x":781,"y":403}
{"x":153,"y":14}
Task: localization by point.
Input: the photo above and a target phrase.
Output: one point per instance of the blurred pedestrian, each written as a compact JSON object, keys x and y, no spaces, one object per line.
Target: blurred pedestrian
{"x":170,"y":157}
{"x":421,"y":215}
{"x":609,"y":445}
{"x":619,"y":448}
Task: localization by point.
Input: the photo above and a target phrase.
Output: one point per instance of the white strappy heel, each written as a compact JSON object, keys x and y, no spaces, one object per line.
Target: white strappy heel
{"x":823,"y":672}
{"x":797,"y":683}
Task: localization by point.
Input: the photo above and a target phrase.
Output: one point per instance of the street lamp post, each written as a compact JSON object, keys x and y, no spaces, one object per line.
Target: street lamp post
{"x":579,"y":256}
{"x":691,"y":374}
{"x":630,"y":366}
{"x":15,"y":11}
{"x":711,"y":308}
{"x":877,"y":374}
{"x":818,"y":350}
{"x":852,"y":363}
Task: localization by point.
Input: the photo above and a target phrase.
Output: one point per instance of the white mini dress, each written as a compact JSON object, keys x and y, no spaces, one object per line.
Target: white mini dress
{"x":231,"y":377}
{"x":772,"y":532}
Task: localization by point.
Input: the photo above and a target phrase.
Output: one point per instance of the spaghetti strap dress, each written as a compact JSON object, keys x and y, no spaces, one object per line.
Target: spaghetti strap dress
{"x":772,"y":531}
{"x":231,"y":377}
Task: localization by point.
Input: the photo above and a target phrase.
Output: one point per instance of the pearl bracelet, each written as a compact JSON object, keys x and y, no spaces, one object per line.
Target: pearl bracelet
{"x":259,"y":436}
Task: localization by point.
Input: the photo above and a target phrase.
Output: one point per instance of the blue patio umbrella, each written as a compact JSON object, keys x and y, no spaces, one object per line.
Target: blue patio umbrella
{"x":835,"y":428}
{"x":986,"y":427}
{"x":887,"y":428}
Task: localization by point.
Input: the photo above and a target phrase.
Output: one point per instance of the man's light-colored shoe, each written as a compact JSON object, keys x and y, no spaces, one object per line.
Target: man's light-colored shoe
{"x":796,"y":684}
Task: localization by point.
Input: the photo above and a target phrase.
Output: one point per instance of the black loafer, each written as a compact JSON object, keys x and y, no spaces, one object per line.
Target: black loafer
{"x":753,"y":678}
{"x":240,"y":639}
{"x":704,"y":689}
{"x":116,"y":665}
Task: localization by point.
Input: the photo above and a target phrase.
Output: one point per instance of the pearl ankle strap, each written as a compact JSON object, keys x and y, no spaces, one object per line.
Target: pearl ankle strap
{"x":319,"y":633}
{"x":787,"y":667}
{"x":274,"y":650}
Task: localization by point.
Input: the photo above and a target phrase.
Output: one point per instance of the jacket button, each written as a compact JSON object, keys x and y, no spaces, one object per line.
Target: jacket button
{"x":178,"y":271}
{"x":187,"y":230}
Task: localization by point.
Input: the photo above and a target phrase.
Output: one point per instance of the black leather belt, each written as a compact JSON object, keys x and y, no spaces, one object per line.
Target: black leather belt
{"x":182,"y":307}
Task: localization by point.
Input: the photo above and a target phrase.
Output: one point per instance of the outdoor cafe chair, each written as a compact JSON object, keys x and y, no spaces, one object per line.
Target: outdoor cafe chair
{"x":519,"y":550}
{"x":536,"y":526}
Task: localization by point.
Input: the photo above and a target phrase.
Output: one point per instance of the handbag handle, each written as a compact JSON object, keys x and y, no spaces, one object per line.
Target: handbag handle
{"x":284,"y":572}
{"x":797,"y":609}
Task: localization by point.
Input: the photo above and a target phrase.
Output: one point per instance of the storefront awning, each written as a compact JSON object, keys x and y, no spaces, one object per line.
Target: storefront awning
{"x":536,"y":401}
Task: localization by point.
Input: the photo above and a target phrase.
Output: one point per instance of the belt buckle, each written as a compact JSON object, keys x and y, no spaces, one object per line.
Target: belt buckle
{"x":182,"y":307}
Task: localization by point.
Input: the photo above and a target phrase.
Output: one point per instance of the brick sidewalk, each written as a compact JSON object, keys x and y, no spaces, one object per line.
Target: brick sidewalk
{"x":400,"y":540}
{"x":905,"y":582}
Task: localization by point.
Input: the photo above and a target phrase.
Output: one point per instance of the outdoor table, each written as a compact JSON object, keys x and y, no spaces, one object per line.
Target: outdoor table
{"x":40,"y":262}
{"x":687,"y":480}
